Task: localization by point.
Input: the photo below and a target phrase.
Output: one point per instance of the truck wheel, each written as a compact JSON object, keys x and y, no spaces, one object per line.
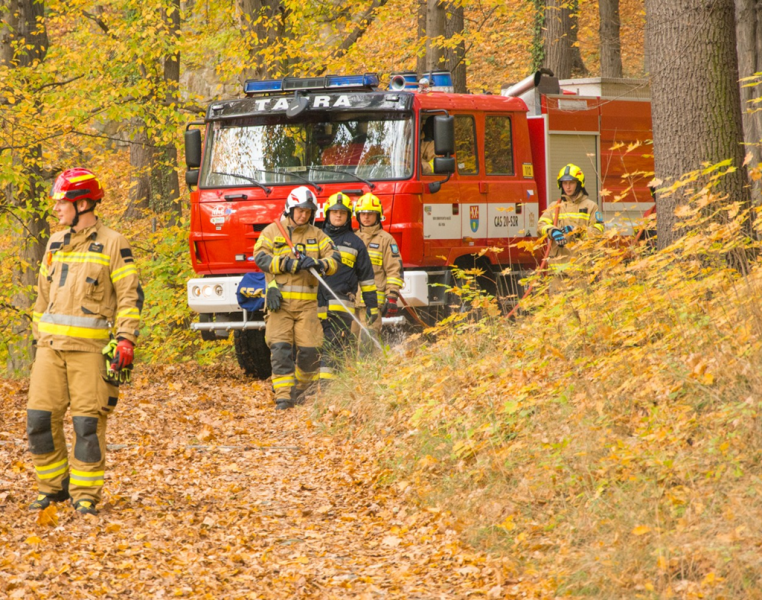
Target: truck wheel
{"x":252,"y":352}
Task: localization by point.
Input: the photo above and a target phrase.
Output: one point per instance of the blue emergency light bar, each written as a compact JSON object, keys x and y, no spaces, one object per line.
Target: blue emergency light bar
{"x":440,"y":81}
{"x":329,"y":82}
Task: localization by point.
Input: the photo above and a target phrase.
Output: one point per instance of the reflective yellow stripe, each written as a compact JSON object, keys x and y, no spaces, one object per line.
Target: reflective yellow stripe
{"x":124,"y":272}
{"x":299,"y":296}
{"x":284,"y":381}
{"x":395,"y":281}
{"x":36,"y":317}
{"x":381,"y":297}
{"x":81,"y":178}
{"x":324,"y":243}
{"x":73,"y":331}
{"x":334,"y":306}
{"x":263,"y":241}
{"x":326,"y":373}
{"x":312,"y":248}
{"x":348,"y":259}
{"x":86,"y":478}
{"x":128,"y":313}
{"x":44,"y":270}
{"x":599,"y":227}
{"x":581,"y":216}
{"x":368,"y":288}
{"x":82,"y":257}
{"x":302,"y":376}
{"x":52,"y":470}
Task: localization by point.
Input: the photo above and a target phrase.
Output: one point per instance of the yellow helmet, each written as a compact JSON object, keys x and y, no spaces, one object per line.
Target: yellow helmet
{"x":339,"y":201}
{"x":369,"y":203}
{"x":571,"y":172}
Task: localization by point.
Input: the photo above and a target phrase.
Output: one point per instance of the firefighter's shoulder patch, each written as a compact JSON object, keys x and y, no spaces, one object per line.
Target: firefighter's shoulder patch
{"x":312,"y":241}
{"x":598,"y":216}
{"x":96,"y":247}
{"x":373,"y":245}
{"x":395,"y":249}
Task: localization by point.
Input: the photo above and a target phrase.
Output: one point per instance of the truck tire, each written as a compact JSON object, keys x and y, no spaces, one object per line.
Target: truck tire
{"x":252,"y":352}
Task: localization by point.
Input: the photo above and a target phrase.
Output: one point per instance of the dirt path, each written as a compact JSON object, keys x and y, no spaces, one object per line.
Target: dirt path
{"x":211,"y":493}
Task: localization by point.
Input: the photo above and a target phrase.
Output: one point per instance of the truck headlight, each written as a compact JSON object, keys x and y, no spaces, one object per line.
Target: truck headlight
{"x":196,"y":291}
{"x":218,"y":289}
{"x":207,"y":291}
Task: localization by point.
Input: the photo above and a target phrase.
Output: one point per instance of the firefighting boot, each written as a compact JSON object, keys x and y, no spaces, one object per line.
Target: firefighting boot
{"x":85,"y":507}
{"x":284,"y":405}
{"x":44,"y":500}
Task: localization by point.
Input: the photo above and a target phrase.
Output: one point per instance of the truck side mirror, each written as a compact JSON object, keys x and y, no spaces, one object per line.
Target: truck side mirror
{"x":191,"y":177}
{"x":193,"y":148}
{"x":444,"y":135}
{"x":444,"y":165}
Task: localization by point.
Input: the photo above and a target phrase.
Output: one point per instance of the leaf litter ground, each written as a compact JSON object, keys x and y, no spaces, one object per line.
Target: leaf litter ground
{"x":211,"y":493}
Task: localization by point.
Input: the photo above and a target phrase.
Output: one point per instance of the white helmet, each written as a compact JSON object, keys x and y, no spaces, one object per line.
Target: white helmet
{"x":301,"y":197}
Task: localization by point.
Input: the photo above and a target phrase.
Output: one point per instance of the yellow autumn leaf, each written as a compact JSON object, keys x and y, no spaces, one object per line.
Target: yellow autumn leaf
{"x":641,"y":530}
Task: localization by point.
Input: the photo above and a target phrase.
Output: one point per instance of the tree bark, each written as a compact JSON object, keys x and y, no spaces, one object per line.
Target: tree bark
{"x":436,"y":21}
{"x":141,"y":159}
{"x":264,"y":20}
{"x":557,"y":39}
{"x":24,"y":42}
{"x":611,"y":45}
{"x":695,"y":102}
{"x":456,"y":57}
{"x":749,"y":53}
{"x":165,"y":186}
{"x":420,"y":65}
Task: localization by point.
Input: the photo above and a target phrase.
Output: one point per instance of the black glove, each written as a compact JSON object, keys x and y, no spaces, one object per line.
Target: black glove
{"x":307,"y":262}
{"x":273,"y":299}
{"x":558,"y":237}
{"x":289,"y":264}
{"x":390,"y":308}
{"x":371,"y":315}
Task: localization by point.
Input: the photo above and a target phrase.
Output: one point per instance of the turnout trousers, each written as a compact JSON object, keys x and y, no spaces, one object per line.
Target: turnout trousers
{"x":74,"y":380}
{"x":288,"y":330}
{"x":338,"y":345}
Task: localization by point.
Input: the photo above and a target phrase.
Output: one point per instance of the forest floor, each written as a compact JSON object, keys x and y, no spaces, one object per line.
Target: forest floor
{"x":212,"y":493}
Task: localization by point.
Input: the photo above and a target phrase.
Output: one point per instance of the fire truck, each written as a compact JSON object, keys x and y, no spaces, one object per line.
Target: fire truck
{"x":496,"y":158}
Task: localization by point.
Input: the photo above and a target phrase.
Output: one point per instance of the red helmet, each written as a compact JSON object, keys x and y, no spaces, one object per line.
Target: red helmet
{"x":77,"y":184}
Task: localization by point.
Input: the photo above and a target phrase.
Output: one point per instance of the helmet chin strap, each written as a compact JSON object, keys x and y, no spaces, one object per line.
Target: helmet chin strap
{"x":77,"y":213}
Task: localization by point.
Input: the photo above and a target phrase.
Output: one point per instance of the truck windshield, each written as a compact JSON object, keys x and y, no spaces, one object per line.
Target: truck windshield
{"x":323,"y":148}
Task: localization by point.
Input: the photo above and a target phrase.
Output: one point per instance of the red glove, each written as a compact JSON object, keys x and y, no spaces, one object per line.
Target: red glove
{"x":390,"y":308}
{"x":123,"y":354}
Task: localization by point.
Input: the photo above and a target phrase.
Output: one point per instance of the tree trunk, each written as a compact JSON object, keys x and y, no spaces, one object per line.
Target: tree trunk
{"x":141,"y":159}
{"x":456,"y":57}
{"x":611,"y":45}
{"x":695,"y":103}
{"x":557,"y":46}
{"x":436,"y":21}
{"x":420,"y":64}
{"x":749,"y":53}
{"x":165,"y":186}
{"x":537,"y":50}
{"x":264,"y":20}
{"x":24,"y":42}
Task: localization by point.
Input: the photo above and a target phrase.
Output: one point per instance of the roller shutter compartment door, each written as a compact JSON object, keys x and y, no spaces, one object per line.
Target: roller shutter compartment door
{"x":581,"y":150}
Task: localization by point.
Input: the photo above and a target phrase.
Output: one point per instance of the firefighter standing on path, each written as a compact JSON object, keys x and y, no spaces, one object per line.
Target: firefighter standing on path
{"x":384,"y":256}
{"x":578,"y":217}
{"x":354,"y":269}
{"x":87,"y":282}
{"x":291,"y":296}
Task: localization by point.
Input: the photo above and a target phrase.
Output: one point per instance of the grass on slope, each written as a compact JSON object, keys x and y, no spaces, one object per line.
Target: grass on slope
{"x":609,"y":438}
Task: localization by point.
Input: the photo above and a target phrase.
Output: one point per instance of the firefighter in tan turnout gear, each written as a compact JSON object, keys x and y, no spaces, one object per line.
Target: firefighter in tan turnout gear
{"x":292,"y":291}
{"x":573,"y":217}
{"x":384,"y":256}
{"x":88,"y":286}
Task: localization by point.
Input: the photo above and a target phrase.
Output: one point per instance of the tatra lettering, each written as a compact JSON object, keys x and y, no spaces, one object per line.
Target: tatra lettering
{"x":321,"y":102}
{"x":342,"y":101}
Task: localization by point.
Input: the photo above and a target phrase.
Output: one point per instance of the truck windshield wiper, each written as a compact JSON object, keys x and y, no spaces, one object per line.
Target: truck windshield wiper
{"x":294,"y":175}
{"x":249,"y":179}
{"x":370,"y":184}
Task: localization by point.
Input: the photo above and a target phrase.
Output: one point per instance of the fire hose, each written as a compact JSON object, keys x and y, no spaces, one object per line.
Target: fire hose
{"x":322,"y":282}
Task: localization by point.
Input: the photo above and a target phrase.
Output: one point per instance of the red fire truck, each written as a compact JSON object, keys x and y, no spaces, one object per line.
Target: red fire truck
{"x":494,"y":173}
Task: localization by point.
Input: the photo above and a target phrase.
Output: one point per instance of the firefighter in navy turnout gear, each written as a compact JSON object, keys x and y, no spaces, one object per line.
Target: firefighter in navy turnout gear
{"x":292,"y":292}
{"x":355,"y":269}
{"x":578,"y":218}
{"x":88,"y":285}
{"x":384,"y":256}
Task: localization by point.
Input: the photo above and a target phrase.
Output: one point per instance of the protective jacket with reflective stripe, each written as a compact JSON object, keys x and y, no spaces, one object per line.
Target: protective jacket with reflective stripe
{"x":385,"y":258}
{"x":299,"y":289}
{"x":354,"y":269}
{"x":88,"y":283}
{"x":579,"y":212}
